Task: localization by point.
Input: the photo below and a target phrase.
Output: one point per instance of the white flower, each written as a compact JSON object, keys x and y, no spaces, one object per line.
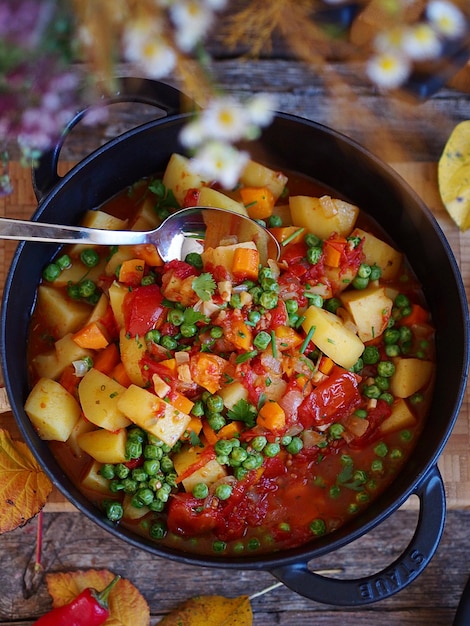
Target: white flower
{"x":260,"y":109}
{"x":421,"y":42}
{"x":446,"y":18}
{"x":219,"y":161}
{"x":389,"y":40}
{"x":225,"y":119}
{"x":193,"y":134}
{"x":388,"y":70}
{"x":144,"y":44}
{"x":192,"y":20}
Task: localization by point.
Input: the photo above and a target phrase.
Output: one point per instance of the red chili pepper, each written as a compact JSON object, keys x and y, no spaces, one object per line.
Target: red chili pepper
{"x":89,"y":608}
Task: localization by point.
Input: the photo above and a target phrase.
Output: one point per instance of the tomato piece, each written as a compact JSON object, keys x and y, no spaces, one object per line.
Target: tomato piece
{"x":332,"y":399}
{"x":191,"y":198}
{"x":294,"y":252}
{"x":180,"y":269}
{"x":188,"y":517}
{"x":143,"y":309}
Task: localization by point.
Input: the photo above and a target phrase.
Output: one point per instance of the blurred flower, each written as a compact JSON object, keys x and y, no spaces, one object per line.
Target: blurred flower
{"x":145,"y":44}
{"x":217,"y":160}
{"x":388,"y":70}
{"x":421,"y":42}
{"x":446,"y":18}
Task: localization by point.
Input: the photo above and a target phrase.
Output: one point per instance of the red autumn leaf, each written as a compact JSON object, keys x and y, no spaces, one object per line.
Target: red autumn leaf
{"x":24,"y":487}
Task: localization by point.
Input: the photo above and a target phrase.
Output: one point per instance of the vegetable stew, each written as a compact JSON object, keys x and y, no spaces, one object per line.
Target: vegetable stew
{"x":224,"y":407}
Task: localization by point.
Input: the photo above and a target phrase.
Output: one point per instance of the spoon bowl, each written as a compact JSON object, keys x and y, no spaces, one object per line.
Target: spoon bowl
{"x":188,"y":230}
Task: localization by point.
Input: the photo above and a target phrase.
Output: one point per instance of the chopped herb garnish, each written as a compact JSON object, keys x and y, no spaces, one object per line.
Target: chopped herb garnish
{"x":204,"y":286}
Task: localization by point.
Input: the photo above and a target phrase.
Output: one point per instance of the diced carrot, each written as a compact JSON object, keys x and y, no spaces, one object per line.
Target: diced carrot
{"x":195,"y":425}
{"x":230,"y":430}
{"x":69,"y":380}
{"x":282,"y":233}
{"x":132,"y":271}
{"x":209,"y":434}
{"x":106,"y":360}
{"x":92,"y":337}
{"x":245,"y":264}
{"x":332,"y":251}
{"x":181,"y":402}
{"x":418,"y":315}
{"x":272,"y":416}
{"x":120,"y":375}
{"x":148,"y":253}
{"x":169,"y":364}
{"x":259,"y":202}
{"x":239,"y":334}
{"x":207,"y":370}
{"x":326,"y":365}
{"x":288,"y":338}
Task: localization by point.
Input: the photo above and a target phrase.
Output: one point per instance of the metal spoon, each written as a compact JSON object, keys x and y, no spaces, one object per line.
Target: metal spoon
{"x":187,"y":230}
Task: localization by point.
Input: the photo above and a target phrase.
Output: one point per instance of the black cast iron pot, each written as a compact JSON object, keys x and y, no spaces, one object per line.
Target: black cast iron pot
{"x":339,"y":163}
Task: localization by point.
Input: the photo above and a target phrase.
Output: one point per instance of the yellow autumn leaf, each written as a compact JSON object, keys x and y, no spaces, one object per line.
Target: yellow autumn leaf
{"x":454,"y":175}
{"x":127,"y":607}
{"x":211,"y":611}
{"x":24,"y":487}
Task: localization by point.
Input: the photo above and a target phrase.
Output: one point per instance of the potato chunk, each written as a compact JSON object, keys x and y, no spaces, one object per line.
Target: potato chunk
{"x":209,"y":473}
{"x":370,"y":310}
{"x":63,"y":315}
{"x":258,"y":175}
{"x":52,"y":410}
{"x":380,"y":253}
{"x":93,"y":480}
{"x":153,"y":414}
{"x":99,"y":395}
{"x":332,"y":337}
{"x":401,"y":417}
{"x":104,"y":446}
{"x":323,"y":216}
{"x":213,"y":198}
{"x":132,"y":350}
{"x":410,"y":376}
{"x":179,"y":177}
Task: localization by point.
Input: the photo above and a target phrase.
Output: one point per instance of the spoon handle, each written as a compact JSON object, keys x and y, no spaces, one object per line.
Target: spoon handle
{"x":23,"y":230}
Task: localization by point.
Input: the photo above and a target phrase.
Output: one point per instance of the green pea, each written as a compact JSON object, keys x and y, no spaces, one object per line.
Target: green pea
{"x":86,"y":288}
{"x":254,"y":317}
{"x":334,"y":492}
{"x":51,"y":272}
{"x":392,"y":350}
{"x":136,"y":434}
{"x":64,"y":262}
{"x":258,"y":443}
{"x":175,"y":317}
{"x":381,"y":449}
{"x":295,"y":445}
{"x":194,"y":259}
{"x":139,"y":474}
{"x":145,"y":495}
{"x":215,"y":403}
{"x":364,"y":270}
{"x":405,"y":334}
{"x":333,"y":304}
{"x":375,"y":272}
{"x":382,"y":383}
{"x":291,"y":306}
{"x":73,"y":292}
{"x":372,"y":391}
{"x":314,"y":254}
{"x":219,"y":546}
{"x":312,"y":241}
{"x":133,"y":449}
{"x":237,"y":456}
{"x":223,"y":491}
{"x":157,"y":505}
{"x":386,"y":369}
{"x":151,"y":451}
{"x":318,"y":527}
{"x":151,"y":466}
{"x":114,"y":511}
{"x":371,"y":355}
{"x":168,"y":342}
{"x":253,"y":461}
{"x":153,"y":335}
{"x":315,"y":299}
{"x":262,"y":340}
{"x":253,"y":544}
{"x":129,"y":485}
{"x":336,"y":431}
{"x":240,"y":472}
{"x":107,"y":471}
{"x":188,"y":330}
{"x":89,"y":257}
{"x":275,"y":221}
{"x":216,"y":421}
{"x":223,"y":447}
{"x":158,"y":530}
{"x":166,"y":464}
{"x":121,"y":471}
{"x":271,"y":449}
{"x":401,"y":300}
{"x":359,"y":282}
{"x":362,"y":413}
{"x":387,"y":397}
{"x":216,"y":332}
{"x":377,"y":465}
{"x":200,"y":491}
{"x":198,"y":409}
{"x":269,"y":300}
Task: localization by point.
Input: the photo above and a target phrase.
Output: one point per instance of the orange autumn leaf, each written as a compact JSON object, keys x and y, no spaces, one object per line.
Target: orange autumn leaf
{"x":211,"y":611}
{"x":126,"y":605}
{"x":24,"y":487}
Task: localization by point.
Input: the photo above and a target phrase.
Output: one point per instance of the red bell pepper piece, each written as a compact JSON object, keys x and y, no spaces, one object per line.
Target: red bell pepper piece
{"x":89,"y":608}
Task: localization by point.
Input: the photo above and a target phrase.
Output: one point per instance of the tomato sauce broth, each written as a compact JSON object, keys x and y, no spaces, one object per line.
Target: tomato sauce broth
{"x":295,"y":495}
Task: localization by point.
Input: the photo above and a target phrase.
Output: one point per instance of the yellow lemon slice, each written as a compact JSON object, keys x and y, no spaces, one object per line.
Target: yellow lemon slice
{"x":454,"y":175}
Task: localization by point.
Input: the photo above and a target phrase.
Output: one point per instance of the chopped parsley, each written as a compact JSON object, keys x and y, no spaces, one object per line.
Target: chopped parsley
{"x":204,"y":286}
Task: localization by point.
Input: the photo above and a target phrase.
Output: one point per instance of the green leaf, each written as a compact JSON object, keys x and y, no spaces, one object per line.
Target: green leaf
{"x":204,"y":286}
{"x":243,"y":411}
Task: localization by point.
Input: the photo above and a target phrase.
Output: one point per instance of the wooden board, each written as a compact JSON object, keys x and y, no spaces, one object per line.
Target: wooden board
{"x":454,"y":462}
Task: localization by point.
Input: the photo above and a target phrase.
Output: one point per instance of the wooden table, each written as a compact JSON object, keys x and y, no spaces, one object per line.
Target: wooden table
{"x":409,"y":136}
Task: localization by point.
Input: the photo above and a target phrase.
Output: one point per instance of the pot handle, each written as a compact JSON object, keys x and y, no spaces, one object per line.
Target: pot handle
{"x":392,"y":579}
{"x":145,"y":91}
